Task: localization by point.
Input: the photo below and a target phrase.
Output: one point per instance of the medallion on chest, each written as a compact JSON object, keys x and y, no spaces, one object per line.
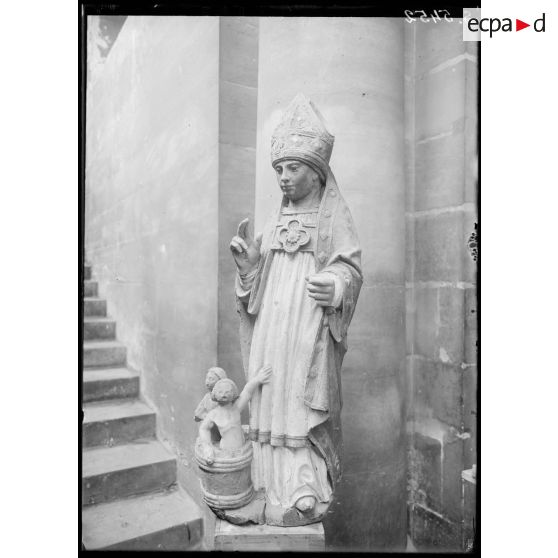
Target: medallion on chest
{"x":295,"y":232}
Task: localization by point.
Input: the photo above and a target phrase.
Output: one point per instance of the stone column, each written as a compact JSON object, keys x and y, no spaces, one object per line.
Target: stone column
{"x":352,"y":68}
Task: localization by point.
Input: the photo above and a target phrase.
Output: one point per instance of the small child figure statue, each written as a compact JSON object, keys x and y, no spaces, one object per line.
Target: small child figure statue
{"x":213,"y":375}
{"x":226,"y":416}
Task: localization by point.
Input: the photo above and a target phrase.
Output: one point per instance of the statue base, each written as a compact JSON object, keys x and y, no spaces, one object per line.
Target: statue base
{"x":259,"y":511}
{"x":252,"y":512}
{"x":265,"y":538}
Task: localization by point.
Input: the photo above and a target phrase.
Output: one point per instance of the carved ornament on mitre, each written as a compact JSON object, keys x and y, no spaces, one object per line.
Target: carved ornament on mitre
{"x":302,"y":134}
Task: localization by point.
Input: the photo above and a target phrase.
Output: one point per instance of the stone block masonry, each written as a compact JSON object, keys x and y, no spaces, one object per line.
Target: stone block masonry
{"x":441,"y":81}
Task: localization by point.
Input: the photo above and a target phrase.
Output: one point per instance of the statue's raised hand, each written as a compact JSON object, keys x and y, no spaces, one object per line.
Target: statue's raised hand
{"x":245,"y":249}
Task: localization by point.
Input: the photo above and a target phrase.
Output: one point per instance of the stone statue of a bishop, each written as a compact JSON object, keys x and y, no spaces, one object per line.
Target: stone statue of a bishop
{"x":297,"y":286}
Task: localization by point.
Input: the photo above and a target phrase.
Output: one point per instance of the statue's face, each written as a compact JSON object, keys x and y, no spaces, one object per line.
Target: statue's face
{"x":296,"y":179}
{"x":224,"y":392}
{"x":210,"y":380}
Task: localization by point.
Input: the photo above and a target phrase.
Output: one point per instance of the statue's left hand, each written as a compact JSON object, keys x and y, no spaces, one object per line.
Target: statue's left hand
{"x":321,"y":287}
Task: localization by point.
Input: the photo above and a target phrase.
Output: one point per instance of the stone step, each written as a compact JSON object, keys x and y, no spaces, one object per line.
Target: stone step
{"x":94,"y":306}
{"x":86,"y":272}
{"x":128,"y":470}
{"x":167,"y":520}
{"x":109,"y":423}
{"x":95,"y":327}
{"x":90,"y":288}
{"x":103,"y":353}
{"x":109,"y":383}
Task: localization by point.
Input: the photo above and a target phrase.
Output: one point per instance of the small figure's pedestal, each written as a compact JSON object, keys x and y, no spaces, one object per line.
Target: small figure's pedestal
{"x":264,"y":538}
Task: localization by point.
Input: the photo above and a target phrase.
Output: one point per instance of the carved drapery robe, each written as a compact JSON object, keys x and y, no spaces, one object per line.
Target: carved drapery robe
{"x":295,"y":419}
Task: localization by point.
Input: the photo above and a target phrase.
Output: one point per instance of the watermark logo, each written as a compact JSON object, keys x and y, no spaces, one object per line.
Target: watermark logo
{"x":475,"y":27}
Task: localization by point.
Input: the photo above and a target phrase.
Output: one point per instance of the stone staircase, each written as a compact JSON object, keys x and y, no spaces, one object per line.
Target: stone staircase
{"x":130,"y":496}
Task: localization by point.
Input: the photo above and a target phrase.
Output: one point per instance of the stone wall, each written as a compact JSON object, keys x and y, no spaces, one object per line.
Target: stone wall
{"x":352,"y":68}
{"x":441,"y":155}
{"x":151,"y":209}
